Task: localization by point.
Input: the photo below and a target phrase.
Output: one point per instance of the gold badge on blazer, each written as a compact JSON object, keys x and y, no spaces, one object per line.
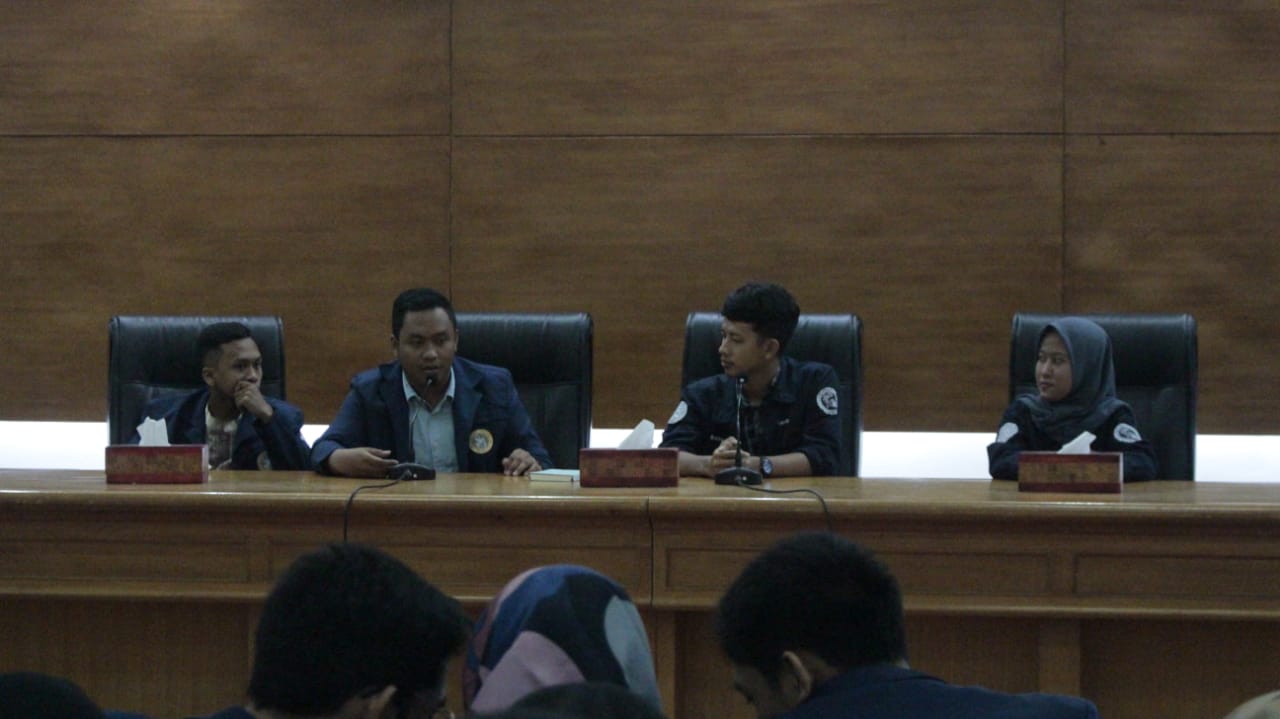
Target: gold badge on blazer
{"x":481,"y":441}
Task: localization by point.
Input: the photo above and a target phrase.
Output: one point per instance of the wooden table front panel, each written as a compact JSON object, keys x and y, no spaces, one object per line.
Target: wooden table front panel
{"x":1166,"y":597}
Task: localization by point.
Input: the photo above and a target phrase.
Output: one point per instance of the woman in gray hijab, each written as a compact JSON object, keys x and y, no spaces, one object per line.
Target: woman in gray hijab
{"x":1076,"y":384}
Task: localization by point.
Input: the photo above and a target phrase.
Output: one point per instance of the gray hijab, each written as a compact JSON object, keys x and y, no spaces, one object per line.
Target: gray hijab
{"x":1093,"y":382}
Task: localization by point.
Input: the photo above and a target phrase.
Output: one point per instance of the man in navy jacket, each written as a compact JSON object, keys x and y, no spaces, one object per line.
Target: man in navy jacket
{"x":814,"y":630}
{"x":429,"y":406}
{"x":243,"y":428}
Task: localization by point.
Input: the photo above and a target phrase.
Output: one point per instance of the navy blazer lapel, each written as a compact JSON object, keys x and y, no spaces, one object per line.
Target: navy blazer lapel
{"x":466,"y":398}
{"x":195,"y":433}
{"x":391,"y":390}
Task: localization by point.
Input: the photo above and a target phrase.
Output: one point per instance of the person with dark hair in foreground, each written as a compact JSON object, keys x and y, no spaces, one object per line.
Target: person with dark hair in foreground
{"x":243,"y":428}
{"x":790,"y":416}
{"x":32,"y":695}
{"x":430,"y":406}
{"x":349,"y":631}
{"x":814,"y":630}
{"x":589,"y":700}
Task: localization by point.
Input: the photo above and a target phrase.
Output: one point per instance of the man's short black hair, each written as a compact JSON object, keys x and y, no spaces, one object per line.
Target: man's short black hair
{"x":212,"y":337}
{"x":416,"y":300}
{"x":812,"y":591}
{"x":587,"y":700}
{"x":349,"y":619}
{"x":32,"y":695}
{"x":767,"y":307}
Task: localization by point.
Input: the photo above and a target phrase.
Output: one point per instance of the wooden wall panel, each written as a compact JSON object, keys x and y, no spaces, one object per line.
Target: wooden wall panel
{"x":156,"y":67}
{"x":902,"y":160}
{"x":1183,"y":66}
{"x":1186,"y":224}
{"x":323,"y":231}
{"x":762,"y":66}
{"x":933,"y":241}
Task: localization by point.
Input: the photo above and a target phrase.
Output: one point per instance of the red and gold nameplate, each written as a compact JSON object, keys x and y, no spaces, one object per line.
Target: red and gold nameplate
{"x":175,"y":464}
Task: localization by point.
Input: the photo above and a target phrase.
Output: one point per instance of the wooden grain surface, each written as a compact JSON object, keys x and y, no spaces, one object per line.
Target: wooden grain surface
{"x":320,"y":230}
{"x":640,"y":232}
{"x":763,"y":66}
{"x":1163,"y":224}
{"x":119,"y":67}
{"x":931,"y":166}
{"x":1145,"y":66}
{"x":1100,"y":595}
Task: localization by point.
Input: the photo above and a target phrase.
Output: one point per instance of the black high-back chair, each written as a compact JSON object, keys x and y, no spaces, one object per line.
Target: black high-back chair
{"x":832,"y":339}
{"x":1156,"y":359}
{"x":549,"y":357}
{"x":153,"y":356}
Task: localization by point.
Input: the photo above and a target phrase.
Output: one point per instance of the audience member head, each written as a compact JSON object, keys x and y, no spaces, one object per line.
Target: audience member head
{"x":31,"y":695}
{"x":419,"y":299}
{"x":810,"y":607}
{"x":768,"y":308}
{"x":556,"y":625}
{"x":351,"y":628}
{"x":589,"y":700}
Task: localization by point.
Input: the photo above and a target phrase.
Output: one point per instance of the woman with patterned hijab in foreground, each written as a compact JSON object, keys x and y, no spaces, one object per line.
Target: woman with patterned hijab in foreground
{"x":554,"y":625}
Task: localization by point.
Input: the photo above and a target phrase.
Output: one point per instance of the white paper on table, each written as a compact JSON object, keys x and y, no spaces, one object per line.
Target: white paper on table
{"x":640,"y":438}
{"x":1079,"y":445}
{"x":154,"y":433}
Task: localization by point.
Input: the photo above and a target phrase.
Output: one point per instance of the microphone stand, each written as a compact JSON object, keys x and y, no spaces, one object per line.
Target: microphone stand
{"x":737,"y":474}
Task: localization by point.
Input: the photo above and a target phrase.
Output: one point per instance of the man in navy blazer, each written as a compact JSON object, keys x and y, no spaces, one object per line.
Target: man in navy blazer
{"x":429,"y":406}
{"x":244,"y":428}
{"x":814,"y":630}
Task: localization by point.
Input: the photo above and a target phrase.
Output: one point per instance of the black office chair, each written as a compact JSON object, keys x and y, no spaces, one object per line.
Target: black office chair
{"x":154,"y":356}
{"x":1156,"y":359}
{"x":832,"y":339}
{"x":549,"y":357}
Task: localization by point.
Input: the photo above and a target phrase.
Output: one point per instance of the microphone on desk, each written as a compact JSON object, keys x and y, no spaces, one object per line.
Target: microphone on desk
{"x":409,"y":471}
{"x":737,"y":474}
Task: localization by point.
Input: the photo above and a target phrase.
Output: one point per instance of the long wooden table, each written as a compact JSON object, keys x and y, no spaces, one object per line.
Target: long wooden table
{"x":1162,"y":601}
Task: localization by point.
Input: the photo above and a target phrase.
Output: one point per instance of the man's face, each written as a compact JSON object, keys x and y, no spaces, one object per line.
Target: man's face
{"x":741,"y":350}
{"x":239,"y":362}
{"x":425,"y":347}
{"x":767,"y":700}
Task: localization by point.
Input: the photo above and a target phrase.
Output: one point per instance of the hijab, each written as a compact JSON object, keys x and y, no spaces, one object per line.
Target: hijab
{"x":1092,"y":398}
{"x":553,"y":625}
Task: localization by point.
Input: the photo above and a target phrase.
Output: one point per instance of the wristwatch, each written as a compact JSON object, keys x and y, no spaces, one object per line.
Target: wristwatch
{"x":766,"y":467}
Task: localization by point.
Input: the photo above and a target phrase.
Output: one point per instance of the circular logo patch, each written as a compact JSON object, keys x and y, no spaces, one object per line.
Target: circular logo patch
{"x":1006,"y":432}
{"x":481,"y":441}
{"x":682,"y":409}
{"x":1126,"y":433}
{"x":828,"y":401}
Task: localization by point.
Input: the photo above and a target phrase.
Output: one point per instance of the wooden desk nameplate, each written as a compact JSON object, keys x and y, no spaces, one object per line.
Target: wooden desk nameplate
{"x":175,"y":464}
{"x":629,"y":467}
{"x":1096,"y":472}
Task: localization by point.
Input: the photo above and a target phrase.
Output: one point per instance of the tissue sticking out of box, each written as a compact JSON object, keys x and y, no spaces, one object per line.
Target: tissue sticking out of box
{"x":1079,"y":445}
{"x":154,"y":433}
{"x":640,"y":438}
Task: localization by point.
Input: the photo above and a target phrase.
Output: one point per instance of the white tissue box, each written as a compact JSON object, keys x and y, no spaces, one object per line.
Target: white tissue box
{"x":174,"y":464}
{"x":1100,"y":472}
